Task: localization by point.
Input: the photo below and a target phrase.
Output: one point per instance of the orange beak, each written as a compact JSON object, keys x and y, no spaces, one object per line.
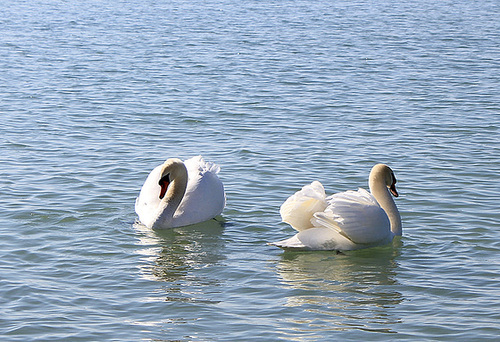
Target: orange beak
{"x":393,"y":190}
{"x":163,"y":183}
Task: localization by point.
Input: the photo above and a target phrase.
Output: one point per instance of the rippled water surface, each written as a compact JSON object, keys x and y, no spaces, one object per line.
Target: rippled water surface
{"x":94,"y":94}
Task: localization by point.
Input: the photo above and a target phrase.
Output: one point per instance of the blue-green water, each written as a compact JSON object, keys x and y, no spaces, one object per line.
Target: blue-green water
{"x":94,"y":94}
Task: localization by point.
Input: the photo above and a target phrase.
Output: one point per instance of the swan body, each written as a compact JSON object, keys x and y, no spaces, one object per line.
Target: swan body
{"x":177,"y":194}
{"x":344,"y":221}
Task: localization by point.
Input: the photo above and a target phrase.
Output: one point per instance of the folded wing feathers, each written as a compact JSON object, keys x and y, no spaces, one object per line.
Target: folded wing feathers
{"x":359,"y":197}
{"x":355,"y":215}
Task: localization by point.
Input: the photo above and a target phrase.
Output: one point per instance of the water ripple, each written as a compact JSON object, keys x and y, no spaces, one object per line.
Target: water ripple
{"x":279,"y":94}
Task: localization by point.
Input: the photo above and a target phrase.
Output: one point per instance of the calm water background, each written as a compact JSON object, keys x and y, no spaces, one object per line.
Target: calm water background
{"x":94,"y":94}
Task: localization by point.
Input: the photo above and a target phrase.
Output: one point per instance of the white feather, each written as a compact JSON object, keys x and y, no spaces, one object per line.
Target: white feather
{"x":298,"y":209}
{"x":343,"y":221}
{"x":317,"y":239}
{"x":204,"y":197}
{"x":356,"y":215}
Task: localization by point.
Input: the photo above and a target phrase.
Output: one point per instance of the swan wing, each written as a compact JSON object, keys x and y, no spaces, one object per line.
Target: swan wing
{"x":205,"y":197}
{"x":298,"y":209}
{"x":357,"y":216}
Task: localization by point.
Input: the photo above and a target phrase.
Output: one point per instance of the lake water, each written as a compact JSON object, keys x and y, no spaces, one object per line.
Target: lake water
{"x":94,"y":94}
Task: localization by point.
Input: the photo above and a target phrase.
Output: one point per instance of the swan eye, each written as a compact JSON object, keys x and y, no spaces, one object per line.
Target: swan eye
{"x":164,"y":180}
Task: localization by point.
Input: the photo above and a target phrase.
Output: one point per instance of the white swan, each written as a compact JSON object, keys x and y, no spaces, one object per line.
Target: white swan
{"x":343,"y":221}
{"x":177,"y":194}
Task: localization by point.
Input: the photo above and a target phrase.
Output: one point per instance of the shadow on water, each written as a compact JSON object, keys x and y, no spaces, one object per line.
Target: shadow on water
{"x":182,"y":259}
{"x":351,"y":291}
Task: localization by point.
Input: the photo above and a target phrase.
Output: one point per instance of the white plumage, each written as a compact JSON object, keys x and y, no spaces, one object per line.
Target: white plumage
{"x":192,"y":193}
{"x":343,"y":221}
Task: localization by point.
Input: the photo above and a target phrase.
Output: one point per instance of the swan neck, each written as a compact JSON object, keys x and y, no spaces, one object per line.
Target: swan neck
{"x":173,"y":198}
{"x":384,"y":198}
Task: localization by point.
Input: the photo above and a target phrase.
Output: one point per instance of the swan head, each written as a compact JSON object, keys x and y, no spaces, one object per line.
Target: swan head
{"x":384,"y":174}
{"x":171,"y":170}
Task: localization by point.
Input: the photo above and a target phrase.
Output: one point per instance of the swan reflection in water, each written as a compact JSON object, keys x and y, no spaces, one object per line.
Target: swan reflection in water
{"x":355,"y":290}
{"x":183,"y":259}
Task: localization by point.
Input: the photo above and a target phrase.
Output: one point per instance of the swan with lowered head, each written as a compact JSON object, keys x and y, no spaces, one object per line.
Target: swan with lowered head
{"x":177,"y":194}
{"x":344,"y":221}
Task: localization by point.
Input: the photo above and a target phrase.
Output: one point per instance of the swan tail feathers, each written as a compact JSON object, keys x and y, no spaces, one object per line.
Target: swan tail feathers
{"x":298,"y":209}
{"x":290,"y":243}
{"x":317,"y":239}
{"x":199,"y":164}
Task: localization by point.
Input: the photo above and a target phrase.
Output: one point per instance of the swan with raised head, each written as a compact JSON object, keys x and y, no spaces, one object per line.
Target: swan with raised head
{"x":344,"y":221}
{"x":177,"y":194}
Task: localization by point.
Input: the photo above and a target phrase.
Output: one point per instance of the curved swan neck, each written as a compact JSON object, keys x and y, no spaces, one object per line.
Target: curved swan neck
{"x":174,"y":195}
{"x":380,"y":191}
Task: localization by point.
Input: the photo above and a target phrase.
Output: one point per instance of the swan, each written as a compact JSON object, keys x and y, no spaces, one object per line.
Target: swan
{"x":177,"y":194}
{"x":344,"y":221}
